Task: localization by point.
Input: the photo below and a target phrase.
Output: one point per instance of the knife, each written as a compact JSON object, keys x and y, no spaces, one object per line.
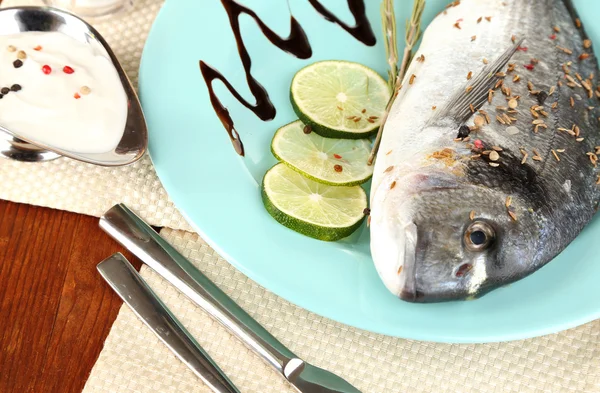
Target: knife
{"x":135,"y":292}
{"x":139,"y":238}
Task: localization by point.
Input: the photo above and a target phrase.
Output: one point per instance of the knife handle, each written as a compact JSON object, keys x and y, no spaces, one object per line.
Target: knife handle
{"x":136,"y":293}
{"x":138,"y":237}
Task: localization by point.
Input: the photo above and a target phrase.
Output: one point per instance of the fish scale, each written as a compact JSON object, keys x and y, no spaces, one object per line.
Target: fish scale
{"x":420,"y":227}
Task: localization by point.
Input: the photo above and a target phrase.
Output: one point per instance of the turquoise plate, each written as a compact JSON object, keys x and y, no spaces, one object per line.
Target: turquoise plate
{"x":219,"y":192}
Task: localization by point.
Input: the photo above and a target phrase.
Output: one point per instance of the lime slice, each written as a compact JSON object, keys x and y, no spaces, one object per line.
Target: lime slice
{"x":337,"y":162}
{"x":314,"y":209}
{"x":340,"y":99}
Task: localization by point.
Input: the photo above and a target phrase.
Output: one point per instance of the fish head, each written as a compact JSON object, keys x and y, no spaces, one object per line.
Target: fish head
{"x":436,"y":237}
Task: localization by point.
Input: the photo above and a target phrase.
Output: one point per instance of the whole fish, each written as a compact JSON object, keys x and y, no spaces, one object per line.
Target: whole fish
{"x":487,"y":166}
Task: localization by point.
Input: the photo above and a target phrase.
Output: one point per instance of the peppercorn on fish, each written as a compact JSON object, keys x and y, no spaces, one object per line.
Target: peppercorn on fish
{"x":487,"y":167}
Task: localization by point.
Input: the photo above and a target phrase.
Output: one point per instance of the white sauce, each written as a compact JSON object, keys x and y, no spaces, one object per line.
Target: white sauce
{"x":46,"y":109}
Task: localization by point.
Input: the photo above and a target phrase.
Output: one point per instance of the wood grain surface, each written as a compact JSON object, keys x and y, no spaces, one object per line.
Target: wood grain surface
{"x":55,"y":309}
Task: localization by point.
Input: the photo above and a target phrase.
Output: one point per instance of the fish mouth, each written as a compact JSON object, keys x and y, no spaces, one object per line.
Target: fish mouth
{"x":408,"y":277}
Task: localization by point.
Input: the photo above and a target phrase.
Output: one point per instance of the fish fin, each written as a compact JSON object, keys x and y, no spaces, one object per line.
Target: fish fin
{"x":458,"y":107}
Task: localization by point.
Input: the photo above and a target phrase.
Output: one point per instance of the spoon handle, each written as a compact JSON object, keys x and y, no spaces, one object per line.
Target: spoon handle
{"x":136,"y":293}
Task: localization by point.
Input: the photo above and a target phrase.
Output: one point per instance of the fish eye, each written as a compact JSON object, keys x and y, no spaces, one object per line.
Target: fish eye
{"x":479,"y":236}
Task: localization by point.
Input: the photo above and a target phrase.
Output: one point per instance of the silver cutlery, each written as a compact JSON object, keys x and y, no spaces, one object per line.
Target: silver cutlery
{"x":136,"y":293}
{"x":134,"y":142}
{"x":138,"y":237}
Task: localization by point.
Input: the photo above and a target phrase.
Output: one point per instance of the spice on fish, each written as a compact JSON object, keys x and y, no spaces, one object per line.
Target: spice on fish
{"x":488,"y":18}
{"x":473,"y":38}
{"x":555,"y":155}
{"x":583,"y":56}
{"x":412,"y":79}
{"x":479,"y":121}
{"x":307,"y":129}
{"x":512,"y":103}
{"x":21,"y":55}
{"x":472,"y":108}
{"x":513,"y":38}
{"x":567,"y":51}
{"x":485,"y":61}
{"x":469,"y":88}
{"x":393,"y":185}
{"x":11,"y":48}
{"x":579,"y":140}
{"x":508,"y":201}
{"x":587,"y":44}
{"x":572,"y":101}
{"x":490,"y":95}
{"x":388,"y":153}
{"x":494,"y":156}
{"x":338,"y":168}
{"x":556,"y":29}
{"x":494,"y":164}
{"x":421,"y":58}
{"x":357,"y":119}
{"x":469,"y":75}
{"x":578,"y":23}
{"x":573,"y":81}
{"x":433,"y":108}
{"x":516,"y":78}
{"x":472,"y":214}
{"x":389,"y":168}
{"x":512,"y":215}
{"x":524,"y":160}
{"x":457,"y":25}
{"x":480,"y":19}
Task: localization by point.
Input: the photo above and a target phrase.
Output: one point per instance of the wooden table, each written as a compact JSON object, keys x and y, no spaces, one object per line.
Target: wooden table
{"x":55,"y":310}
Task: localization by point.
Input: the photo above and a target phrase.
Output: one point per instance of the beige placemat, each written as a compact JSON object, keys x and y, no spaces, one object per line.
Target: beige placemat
{"x":70,"y":185}
{"x":133,"y":360}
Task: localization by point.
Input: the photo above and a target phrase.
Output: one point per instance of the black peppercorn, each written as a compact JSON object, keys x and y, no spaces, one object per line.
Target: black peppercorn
{"x":15,"y":87}
{"x":5,"y":90}
{"x":463,"y":131}
{"x":17,"y":63}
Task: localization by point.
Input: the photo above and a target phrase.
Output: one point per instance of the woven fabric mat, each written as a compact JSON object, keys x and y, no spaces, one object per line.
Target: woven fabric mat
{"x":134,"y":360}
{"x":66,"y":184}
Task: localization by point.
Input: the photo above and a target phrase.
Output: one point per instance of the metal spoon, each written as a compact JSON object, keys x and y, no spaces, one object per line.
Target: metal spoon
{"x":134,"y":142}
{"x":136,"y":293}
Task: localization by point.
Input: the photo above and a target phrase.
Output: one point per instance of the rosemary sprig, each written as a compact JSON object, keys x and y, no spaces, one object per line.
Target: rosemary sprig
{"x":412,"y":35}
{"x":388,"y":16}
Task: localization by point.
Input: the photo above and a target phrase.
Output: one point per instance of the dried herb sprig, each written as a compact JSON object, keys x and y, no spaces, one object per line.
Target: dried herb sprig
{"x":396,"y":75}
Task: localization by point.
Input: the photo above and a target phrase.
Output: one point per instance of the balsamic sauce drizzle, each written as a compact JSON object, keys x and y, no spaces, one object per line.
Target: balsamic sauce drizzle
{"x":295,"y":44}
